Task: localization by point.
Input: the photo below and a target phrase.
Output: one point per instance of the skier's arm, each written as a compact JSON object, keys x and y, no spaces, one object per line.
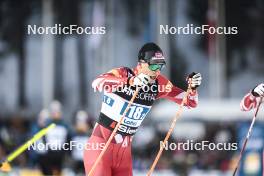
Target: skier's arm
{"x":248,"y":102}
{"x":173,"y":93}
{"x":112,"y":79}
{"x":251,"y":99}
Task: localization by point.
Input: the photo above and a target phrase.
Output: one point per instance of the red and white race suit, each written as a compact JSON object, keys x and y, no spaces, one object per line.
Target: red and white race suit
{"x":117,"y":159}
{"x":249,"y":102}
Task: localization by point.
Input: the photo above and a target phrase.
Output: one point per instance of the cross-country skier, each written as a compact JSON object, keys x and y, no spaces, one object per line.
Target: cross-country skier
{"x":252,"y":161}
{"x":117,"y":160}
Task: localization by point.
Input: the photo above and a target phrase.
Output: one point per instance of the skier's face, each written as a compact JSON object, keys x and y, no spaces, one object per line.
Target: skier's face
{"x":146,"y":69}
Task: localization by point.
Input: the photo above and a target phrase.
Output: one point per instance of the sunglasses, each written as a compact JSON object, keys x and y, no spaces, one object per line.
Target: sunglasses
{"x":155,"y":67}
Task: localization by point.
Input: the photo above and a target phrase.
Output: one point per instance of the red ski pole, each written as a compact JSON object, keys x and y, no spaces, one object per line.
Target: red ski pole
{"x":248,"y":135}
{"x":173,"y":123}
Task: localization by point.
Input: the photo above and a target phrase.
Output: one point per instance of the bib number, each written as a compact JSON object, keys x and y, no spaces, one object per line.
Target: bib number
{"x":107,"y":100}
{"x":135,"y":112}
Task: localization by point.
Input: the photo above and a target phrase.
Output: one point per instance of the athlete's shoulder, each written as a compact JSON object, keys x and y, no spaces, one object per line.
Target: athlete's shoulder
{"x":163,"y":80}
{"x":165,"y":83}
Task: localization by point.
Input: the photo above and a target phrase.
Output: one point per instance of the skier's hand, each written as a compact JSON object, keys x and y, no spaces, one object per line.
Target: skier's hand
{"x":194,"y":80}
{"x":258,"y":91}
{"x":140,"y":80}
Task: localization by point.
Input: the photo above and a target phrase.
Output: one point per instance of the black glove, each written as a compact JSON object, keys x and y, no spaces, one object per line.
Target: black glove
{"x":258,"y":91}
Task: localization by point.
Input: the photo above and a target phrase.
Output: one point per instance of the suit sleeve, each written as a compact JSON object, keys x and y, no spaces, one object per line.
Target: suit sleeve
{"x":111,"y":80}
{"x":248,"y":102}
{"x":168,"y":91}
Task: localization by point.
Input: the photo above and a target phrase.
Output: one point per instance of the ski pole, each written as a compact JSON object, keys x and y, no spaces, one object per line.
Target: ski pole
{"x":5,"y":166}
{"x":173,"y":123}
{"x":247,"y":137}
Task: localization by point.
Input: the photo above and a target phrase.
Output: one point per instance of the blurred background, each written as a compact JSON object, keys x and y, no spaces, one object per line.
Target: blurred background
{"x":36,"y":70}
